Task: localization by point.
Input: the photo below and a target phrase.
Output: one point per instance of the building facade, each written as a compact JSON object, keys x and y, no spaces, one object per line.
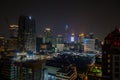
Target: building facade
{"x":27,"y":34}
{"x":111,"y":56}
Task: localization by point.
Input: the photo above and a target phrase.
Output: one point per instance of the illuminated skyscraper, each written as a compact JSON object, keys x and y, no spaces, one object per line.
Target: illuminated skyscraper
{"x":81,"y":38}
{"x":89,"y":45}
{"x":13,"y":30}
{"x":27,"y":34}
{"x":72,"y":37}
{"x":12,"y":42}
{"x":111,"y":56}
{"x":59,"y":39}
{"x":67,"y":34}
{"x":48,"y":35}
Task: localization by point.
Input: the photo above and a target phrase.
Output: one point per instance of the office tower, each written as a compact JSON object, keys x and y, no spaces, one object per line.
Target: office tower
{"x":81,"y":38}
{"x":13,"y":30}
{"x":89,"y":45}
{"x":39,"y":42}
{"x":48,"y":35}
{"x":72,"y":37}
{"x":111,"y":56}
{"x":81,"y":42}
{"x":27,"y":34}
{"x":59,"y":39}
{"x":59,"y":43}
{"x":91,"y":35}
{"x":67,"y":34}
{"x":12,"y":44}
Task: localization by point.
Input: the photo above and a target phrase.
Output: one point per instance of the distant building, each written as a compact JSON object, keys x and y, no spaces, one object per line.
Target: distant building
{"x":81,"y":38}
{"x":111,"y":56}
{"x":12,"y":44}
{"x":59,"y":43}
{"x":91,"y":35}
{"x":59,"y":39}
{"x":72,"y":39}
{"x":2,"y":44}
{"x":67,"y":34}
{"x":81,"y":41}
{"x":60,"y":47}
{"x":27,"y":34}
{"x":39,"y":42}
{"x":48,"y":35}
{"x":89,"y":45}
{"x":13,"y":30}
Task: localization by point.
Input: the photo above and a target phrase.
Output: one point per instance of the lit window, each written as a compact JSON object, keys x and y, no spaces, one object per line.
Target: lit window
{"x":108,"y":70}
{"x":30,"y":17}
{"x":108,"y":65}
{"x":108,"y":60}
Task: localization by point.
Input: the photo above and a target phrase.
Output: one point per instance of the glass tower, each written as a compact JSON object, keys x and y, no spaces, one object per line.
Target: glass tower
{"x":27,"y":34}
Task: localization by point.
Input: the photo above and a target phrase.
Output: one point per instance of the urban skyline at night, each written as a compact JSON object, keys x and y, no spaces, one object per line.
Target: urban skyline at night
{"x":81,"y":17}
{"x":59,"y":40}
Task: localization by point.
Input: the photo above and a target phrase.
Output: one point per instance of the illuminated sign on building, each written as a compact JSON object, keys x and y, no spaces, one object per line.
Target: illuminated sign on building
{"x":72,"y":39}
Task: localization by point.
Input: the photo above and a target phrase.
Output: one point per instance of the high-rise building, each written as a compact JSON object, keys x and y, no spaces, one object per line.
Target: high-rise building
{"x":27,"y":34}
{"x":91,"y":35}
{"x":81,"y":38}
{"x":67,"y":34}
{"x":39,"y":42}
{"x":72,"y":37}
{"x":59,"y":39}
{"x":12,"y":44}
{"x":13,"y":30}
{"x":111,"y":56}
{"x":2,"y":44}
{"x":89,"y":45}
{"x":48,"y":35}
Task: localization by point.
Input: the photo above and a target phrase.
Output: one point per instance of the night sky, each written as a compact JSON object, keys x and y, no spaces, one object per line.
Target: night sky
{"x":100,"y":17}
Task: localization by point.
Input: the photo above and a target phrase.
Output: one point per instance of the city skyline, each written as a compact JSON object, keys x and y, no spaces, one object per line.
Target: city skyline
{"x":81,"y":17}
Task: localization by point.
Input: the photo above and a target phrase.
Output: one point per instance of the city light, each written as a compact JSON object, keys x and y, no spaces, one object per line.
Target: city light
{"x":30,"y":17}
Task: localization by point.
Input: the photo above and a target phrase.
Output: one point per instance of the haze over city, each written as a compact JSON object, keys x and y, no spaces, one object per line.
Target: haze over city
{"x":99,"y":17}
{"x":59,"y":40}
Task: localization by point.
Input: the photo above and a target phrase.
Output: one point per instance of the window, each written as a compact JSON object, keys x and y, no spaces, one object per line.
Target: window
{"x":108,"y":60}
{"x":108,"y":65}
{"x":108,"y":70}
